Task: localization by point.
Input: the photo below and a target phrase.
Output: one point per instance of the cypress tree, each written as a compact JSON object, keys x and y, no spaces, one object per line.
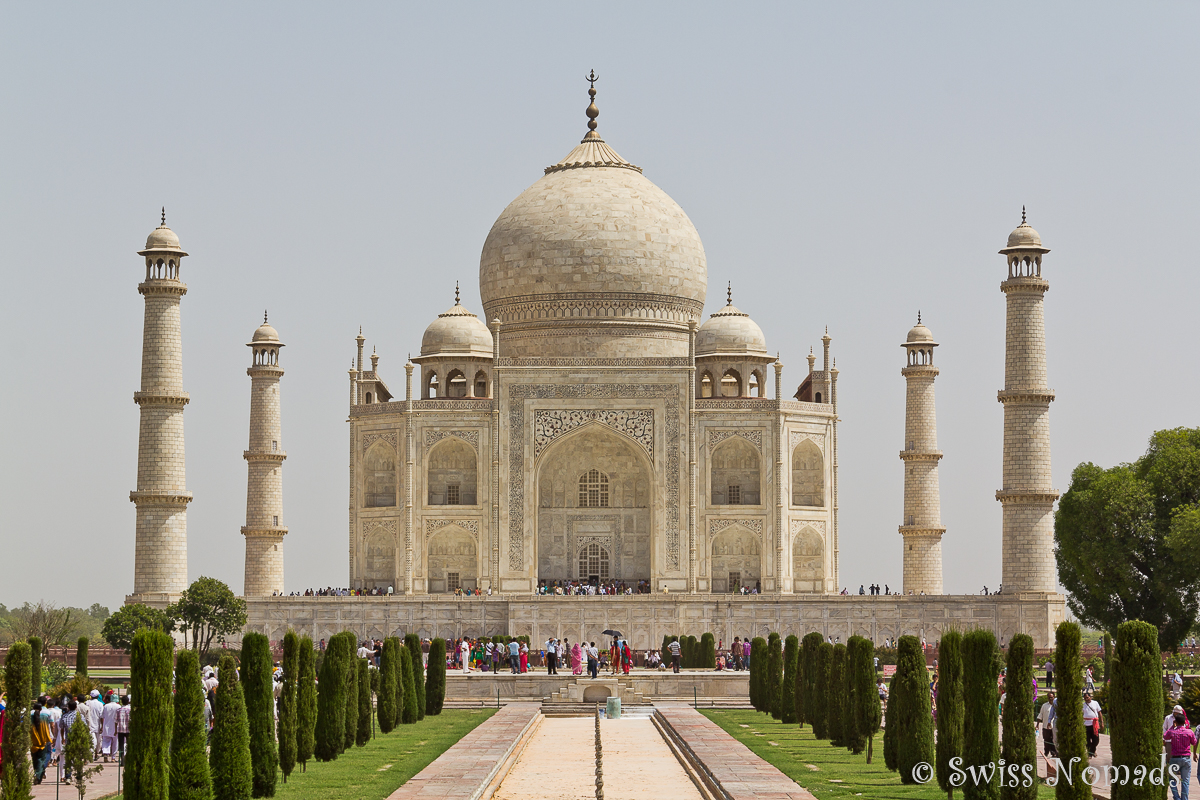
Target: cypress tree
{"x":81,"y":654}
{"x":306,"y":703}
{"x":809,"y":646}
{"x":758,"y":668}
{"x":798,"y":685}
{"x":775,"y":675}
{"x":258,"y":689}
{"x":147,"y":765}
{"x":287,"y":703}
{"x":1071,"y":741}
{"x":17,"y":777}
{"x":77,"y":753}
{"x":708,"y":651}
{"x":417,"y":665}
{"x":914,"y":739}
{"x":350,"y":732}
{"x":666,"y":649}
{"x":189,"y":735}
{"x":331,"y":702}
{"x":435,"y":684}
{"x":891,"y":730}
{"x":229,"y":754}
{"x":950,"y":708}
{"x":1108,"y":648}
{"x":387,"y":686}
{"x":363,"y":734}
{"x":787,"y":702}
{"x":36,"y":651}
{"x":866,"y":712}
{"x":980,"y":698}
{"x":401,"y":667}
{"x":409,"y":715}
{"x":837,"y":697}
{"x":1020,"y":748}
{"x":1135,"y":694}
{"x":820,"y":706}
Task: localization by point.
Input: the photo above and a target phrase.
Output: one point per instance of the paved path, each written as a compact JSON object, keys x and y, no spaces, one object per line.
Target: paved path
{"x":558,"y":764}
{"x":638,"y":764}
{"x":101,"y":785}
{"x":738,"y":771}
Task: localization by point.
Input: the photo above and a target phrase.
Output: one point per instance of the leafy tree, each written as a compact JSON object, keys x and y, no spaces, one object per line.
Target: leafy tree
{"x":122,"y":624}
{"x":351,"y":731}
{"x":820,"y":706}
{"x":1071,"y":741}
{"x":81,"y":656}
{"x":77,"y":755}
{"x":866,"y":712}
{"x":914,"y":738}
{"x":208,"y":610}
{"x":306,"y":703}
{"x":435,"y":684}
{"x":229,"y":757}
{"x":837,"y":697}
{"x":363,"y":734}
{"x":1128,"y":539}
{"x":287,"y":703}
{"x":809,"y":646}
{"x":950,"y":708}
{"x":791,"y":659}
{"x":16,"y":779}
{"x":53,"y":625}
{"x":409,"y":693}
{"x":387,"y":685}
{"x":774,"y":675}
{"x":1020,"y":743}
{"x":981,"y":745}
{"x":98,"y":612}
{"x":331,"y":701}
{"x":147,"y":765}
{"x":413,"y":643}
{"x":259,"y":691}
{"x":190,"y":779}
{"x":1135,"y":695}
{"x":36,"y":653}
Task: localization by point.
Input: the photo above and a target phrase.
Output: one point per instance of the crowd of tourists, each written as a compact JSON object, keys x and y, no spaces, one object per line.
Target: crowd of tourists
{"x":581,"y":588}
{"x":106,"y":720}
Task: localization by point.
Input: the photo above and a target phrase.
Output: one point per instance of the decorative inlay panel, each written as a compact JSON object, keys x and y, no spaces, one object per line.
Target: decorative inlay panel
{"x":433,"y":437}
{"x":549,"y":424}
{"x":796,"y":437}
{"x":519,"y":393}
{"x":610,"y":541}
{"x":716,"y":525}
{"x":388,"y":525}
{"x":471,"y":526}
{"x":715,"y":437}
{"x":585,"y":361}
{"x":798,"y":525}
{"x":391,"y":437}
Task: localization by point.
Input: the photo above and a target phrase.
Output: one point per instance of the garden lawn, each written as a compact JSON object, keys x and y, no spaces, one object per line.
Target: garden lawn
{"x":825,"y":770}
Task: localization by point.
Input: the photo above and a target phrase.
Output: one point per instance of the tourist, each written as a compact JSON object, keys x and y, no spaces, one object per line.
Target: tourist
{"x":746,"y":652}
{"x":1045,"y":721}
{"x":593,"y":656}
{"x":1176,"y":686}
{"x":1182,"y":740}
{"x":626,"y":657}
{"x":123,"y":725}
{"x":40,"y":740}
{"x":576,"y":660}
{"x":675,"y":655}
{"x":1049,"y":674}
{"x":108,"y":727}
{"x":735,"y":653}
{"x":551,"y":656}
{"x":95,"y":711}
{"x":1089,"y":681}
{"x":497,"y":651}
{"x":1093,"y":721}
{"x":524,"y":657}
{"x":514,"y":656}
{"x":64,"y":728}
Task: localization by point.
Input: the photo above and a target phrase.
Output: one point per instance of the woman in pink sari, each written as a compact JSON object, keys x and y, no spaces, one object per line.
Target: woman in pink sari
{"x":524,"y":657}
{"x":576,"y":660}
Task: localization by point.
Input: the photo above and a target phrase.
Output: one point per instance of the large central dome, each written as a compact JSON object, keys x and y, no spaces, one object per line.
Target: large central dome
{"x":593,"y":260}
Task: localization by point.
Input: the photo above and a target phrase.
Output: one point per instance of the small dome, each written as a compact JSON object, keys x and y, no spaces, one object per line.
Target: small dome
{"x":730,"y":332}
{"x":1024,"y":236}
{"x":920,"y":333}
{"x":162,"y":240}
{"x":458,"y":332}
{"x":265,"y":333}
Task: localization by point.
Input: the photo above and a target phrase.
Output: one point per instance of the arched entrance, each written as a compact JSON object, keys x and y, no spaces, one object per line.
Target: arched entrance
{"x":453,"y":560}
{"x":736,"y":560}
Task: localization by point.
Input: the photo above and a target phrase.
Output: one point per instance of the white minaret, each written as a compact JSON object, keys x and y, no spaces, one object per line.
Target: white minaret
{"x":160,"y":554}
{"x":922,"y":524}
{"x":1028,"y":497}
{"x":264,"y":530}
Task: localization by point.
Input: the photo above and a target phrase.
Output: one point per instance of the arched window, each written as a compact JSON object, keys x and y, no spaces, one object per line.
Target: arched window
{"x":755,"y":385}
{"x":431,"y":386}
{"x":481,"y":384}
{"x":379,"y":480}
{"x":731,"y":384}
{"x":734,"y":475}
{"x":706,"y":385}
{"x":593,"y":490}
{"x":456,"y":384}
{"x":808,"y":475}
{"x":818,"y":398}
{"x":593,"y":563}
{"x":452,"y":473}
{"x":368,"y":397}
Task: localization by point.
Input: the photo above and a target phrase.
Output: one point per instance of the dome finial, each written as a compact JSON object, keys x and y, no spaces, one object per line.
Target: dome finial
{"x":592,"y":111}
{"x":918,"y":317}
{"x":164,"y":215}
{"x":264,"y":316}
{"x":456,"y":293}
{"x":729,"y":293}
{"x":1022,"y":214}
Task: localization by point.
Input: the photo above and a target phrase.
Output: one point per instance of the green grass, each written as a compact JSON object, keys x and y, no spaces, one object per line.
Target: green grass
{"x":838,"y":773}
{"x":375,"y":771}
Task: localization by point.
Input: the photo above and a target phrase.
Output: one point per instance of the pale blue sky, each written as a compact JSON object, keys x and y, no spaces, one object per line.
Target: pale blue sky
{"x":845,"y":164}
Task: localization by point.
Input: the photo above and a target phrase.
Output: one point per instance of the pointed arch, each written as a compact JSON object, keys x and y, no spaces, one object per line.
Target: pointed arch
{"x":456,"y":384}
{"x":736,"y":558}
{"x":731,"y":383}
{"x":481,"y":384}
{"x":452,"y":560}
{"x":808,"y":475}
{"x":379,"y":559}
{"x":432,"y":387}
{"x":379,"y":476}
{"x":452,"y":473}
{"x":808,"y":561}
{"x":706,"y":384}
{"x":735,"y":473}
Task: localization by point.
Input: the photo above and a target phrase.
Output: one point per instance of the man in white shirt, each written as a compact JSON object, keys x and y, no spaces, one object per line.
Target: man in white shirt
{"x":364,"y":651}
{"x":551,"y":656}
{"x":465,"y":650}
{"x":108,"y":727}
{"x":1092,"y":719}
{"x":1045,"y":720}
{"x":95,"y":711}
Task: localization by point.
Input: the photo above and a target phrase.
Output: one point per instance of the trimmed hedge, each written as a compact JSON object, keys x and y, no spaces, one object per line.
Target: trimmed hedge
{"x":17,"y":780}
{"x":229,"y":751}
{"x":408,"y":715}
{"x":981,"y":746}
{"x":387,"y":685}
{"x":147,"y":765}
{"x":950,"y":707}
{"x":791,"y":658}
{"x":1071,"y":741}
{"x":808,"y":673}
{"x":1020,"y":745}
{"x":836,"y":726}
{"x":190,"y":778}
{"x":36,"y":650}
{"x":775,"y":675}
{"x":350,"y":732}
{"x":758,"y":668}
{"x":306,"y":703}
{"x":417,"y":665}
{"x":331,"y":701}
{"x":820,"y":705}
{"x":798,"y":685}
{"x":287,"y":703}
{"x":914,"y":740}
{"x":708,"y":651}
{"x":258,"y":689}
{"x":363,"y":734}
{"x":895,"y":709}
{"x":81,"y":656}
{"x":866,"y":711}
{"x":435,"y":684}
{"x":1135,"y":695}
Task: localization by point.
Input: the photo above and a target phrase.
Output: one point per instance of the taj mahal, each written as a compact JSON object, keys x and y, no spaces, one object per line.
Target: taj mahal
{"x":589,"y":425}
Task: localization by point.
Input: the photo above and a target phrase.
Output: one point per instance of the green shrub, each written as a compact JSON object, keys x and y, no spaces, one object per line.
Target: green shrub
{"x":435,"y":684}
{"x":190,"y":778}
{"x":363,"y":734}
{"x":409,"y":715}
{"x":306,"y":703}
{"x":399,"y":650}
{"x":1071,"y":741}
{"x":229,"y":753}
{"x":758,"y":668}
{"x":77,"y":685}
{"x":17,"y":779}
{"x":809,"y":646}
{"x":798,"y":684}
{"x":949,"y":707}
{"x":836,"y":726}
{"x":147,"y":765}
{"x":895,"y":709}
{"x":81,"y":656}
{"x":78,"y":754}
{"x":1135,"y":694}
{"x":980,"y":725}
{"x":1020,"y":744}
{"x":287,"y":703}
{"x":775,"y":675}
{"x":417,"y":666}
{"x":820,"y":706}
{"x":914,"y":740}
{"x":36,"y":651}
{"x":666,"y":648}
{"x":259,"y":690}
{"x":350,"y":733}
{"x":387,"y":686}
{"x":791,"y":659}
{"x":331,"y":701}
{"x":708,"y":652}
{"x":865,"y":711}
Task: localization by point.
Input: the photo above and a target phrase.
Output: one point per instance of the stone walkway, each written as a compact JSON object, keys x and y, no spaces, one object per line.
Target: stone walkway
{"x":739,"y":772}
{"x":101,"y":785}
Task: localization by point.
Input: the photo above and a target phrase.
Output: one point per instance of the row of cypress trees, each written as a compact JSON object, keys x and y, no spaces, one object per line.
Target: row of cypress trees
{"x":693,"y":653}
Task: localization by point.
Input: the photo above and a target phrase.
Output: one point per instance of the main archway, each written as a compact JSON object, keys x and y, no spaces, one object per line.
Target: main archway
{"x":736,"y":560}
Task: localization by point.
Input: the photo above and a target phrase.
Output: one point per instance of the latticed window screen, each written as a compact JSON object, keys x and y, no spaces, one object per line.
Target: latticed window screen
{"x":593,"y":490}
{"x":452,"y":494}
{"x":735,"y":581}
{"x":452,"y":581}
{"x":735,"y":495}
{"x":593,"y":560}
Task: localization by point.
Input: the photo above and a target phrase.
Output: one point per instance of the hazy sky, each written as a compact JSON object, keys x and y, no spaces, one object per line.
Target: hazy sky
{"x":846,"y":164}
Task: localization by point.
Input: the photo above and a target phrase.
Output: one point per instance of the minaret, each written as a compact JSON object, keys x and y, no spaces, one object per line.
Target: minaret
{"x":264,"y":530}
{"x":1028,"y":497}
{"x":922,"y":524}
{"x":160,"y":554}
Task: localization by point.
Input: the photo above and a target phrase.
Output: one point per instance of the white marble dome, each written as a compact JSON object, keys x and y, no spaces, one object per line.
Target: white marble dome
{"x":457,"y":332}
{"x":163,"y":239}
{"x":1024,"y":236}
{"x":919,"y":333}
{"x":265,"y":333}
{"x":730,"y":332}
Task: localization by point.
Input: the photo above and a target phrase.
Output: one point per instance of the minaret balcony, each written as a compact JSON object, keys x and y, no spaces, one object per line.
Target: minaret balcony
{"x":921,"y":530}
{"x":158,"y":399}
{"x":160,"y":498}
{"x":920,"y":455}
{"x":1025,"y":395}
{"x":254,"y":455}
{"x":266,"y":532}
{"x":1027,"y":496}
